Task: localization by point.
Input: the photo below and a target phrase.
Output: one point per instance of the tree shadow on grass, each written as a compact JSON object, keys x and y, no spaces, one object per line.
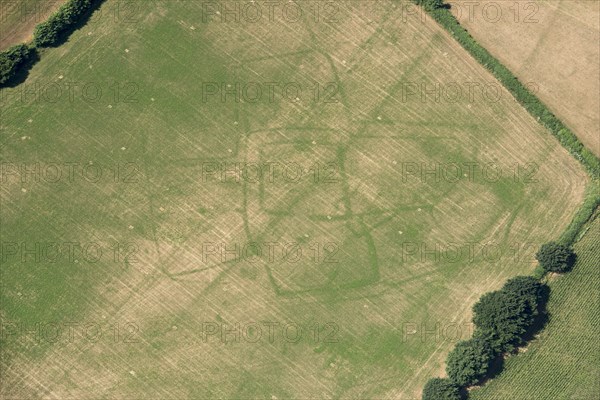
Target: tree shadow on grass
{"x":63,"y":36}
{"x":571,"y":260}
{"x":23,"y":70}
{"x":541,"y":319}
{"x":539,"y":323}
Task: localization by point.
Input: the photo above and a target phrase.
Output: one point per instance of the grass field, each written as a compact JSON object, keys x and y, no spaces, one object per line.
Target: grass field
{"x":553,"y":44}
{"x":18,"y":19}
{"x":562,"y":363}
{"x":160,"y":216}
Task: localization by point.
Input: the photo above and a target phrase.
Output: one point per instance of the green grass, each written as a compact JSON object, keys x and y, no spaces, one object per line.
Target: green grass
{"x":371,"y":293}
{"x":562,"y":363}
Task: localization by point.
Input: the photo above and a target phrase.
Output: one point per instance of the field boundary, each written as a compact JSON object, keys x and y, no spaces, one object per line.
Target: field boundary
{"x":440,"y":12}
{"x":569,"y":295}
{"x":575,"y":226}
{"x":524,"y":96}
{"x":16,"y":61}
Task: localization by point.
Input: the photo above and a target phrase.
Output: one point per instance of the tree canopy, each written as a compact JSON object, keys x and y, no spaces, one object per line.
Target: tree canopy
{"x":555,"y":257}
{"x":440,"y":389}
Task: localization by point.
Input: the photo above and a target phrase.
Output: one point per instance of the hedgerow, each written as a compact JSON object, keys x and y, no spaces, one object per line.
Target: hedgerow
{"x":61,"y":23}
{"x":524,"y":96}
{"x":46,"y":34}
{"x":555,"y":257}
{"x":591,"y":202}
{"x":440,"y":389}
{"x":11,"y":60}
{"x":502,"y":317}
{"x":468,"y":363}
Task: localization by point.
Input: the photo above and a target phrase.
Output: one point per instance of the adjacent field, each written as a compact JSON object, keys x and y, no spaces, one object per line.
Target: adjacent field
{"x":563,"y":362}
{"x":554,"y":45}
{"x":18,"y":19}
{"x":380,"y":303}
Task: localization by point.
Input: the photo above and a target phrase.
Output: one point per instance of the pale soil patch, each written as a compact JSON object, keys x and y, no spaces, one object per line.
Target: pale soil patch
{"x":557,"y":50}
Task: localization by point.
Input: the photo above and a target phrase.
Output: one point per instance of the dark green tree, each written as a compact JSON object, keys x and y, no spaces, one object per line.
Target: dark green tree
{"x":502,"y":318}
{"x":526,"y":287}
{"x":440,"y":389}
{"x":62,"y":22}
{"x":11,"y":60}
{"x":469,"y":361}
{"x":555,"y":257}
{"x":430,"y":5}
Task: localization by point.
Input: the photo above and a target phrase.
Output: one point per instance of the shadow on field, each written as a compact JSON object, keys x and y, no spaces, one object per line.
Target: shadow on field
{"x":539,"y":323}
{"x":23,"y":72}
{"x":542,"y":317}
{"x":571,"y":262}
{"x":64,"y":36}
{"x":495,"y":368}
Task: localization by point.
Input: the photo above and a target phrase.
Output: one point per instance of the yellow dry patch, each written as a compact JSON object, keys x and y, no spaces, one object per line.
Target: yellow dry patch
{"x":553,"y":46}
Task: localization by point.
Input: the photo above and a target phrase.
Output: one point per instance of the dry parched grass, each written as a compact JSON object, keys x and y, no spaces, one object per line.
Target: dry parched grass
{"x":366,"y":223}
{"x":553,"y":46}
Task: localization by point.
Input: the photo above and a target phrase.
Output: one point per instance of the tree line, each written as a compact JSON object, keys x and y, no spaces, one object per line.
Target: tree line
{"x":49,"y":33}
{"x":502,"y":320}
